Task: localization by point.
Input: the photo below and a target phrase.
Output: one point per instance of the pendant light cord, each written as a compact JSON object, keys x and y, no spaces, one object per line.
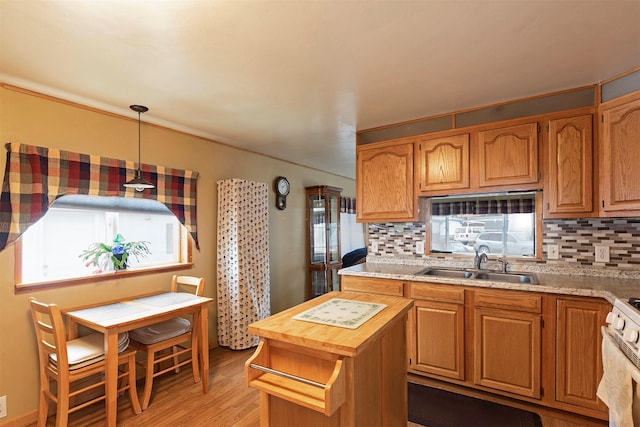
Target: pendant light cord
{"x":139,"y":165}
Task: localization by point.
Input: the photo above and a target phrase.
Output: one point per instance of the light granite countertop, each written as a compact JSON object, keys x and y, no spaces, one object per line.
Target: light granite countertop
{"x":608,"y":288}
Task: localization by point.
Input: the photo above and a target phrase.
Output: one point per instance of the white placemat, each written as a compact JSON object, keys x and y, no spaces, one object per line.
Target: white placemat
{"x":341,"y":312}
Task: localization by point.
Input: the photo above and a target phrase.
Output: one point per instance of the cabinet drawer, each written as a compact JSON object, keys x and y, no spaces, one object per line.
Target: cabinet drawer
{"x":426,"y":291}
{"x":516,"y":301}
{"x":394,"y":288}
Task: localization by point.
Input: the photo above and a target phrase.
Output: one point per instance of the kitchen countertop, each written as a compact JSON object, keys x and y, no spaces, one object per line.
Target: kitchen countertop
{"x":608,"y":288}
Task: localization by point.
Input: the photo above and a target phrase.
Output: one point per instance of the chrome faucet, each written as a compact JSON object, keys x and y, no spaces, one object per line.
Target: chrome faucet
{"x":479,"y":259}
{"x":504,"y":263}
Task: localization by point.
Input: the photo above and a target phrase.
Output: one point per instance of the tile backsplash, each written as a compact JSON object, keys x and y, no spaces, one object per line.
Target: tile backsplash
{"x":575,"y":239}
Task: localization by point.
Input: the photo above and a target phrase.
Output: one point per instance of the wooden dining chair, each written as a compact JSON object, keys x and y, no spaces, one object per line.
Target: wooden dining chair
{"x":65,"y":362}
{"x":175,"y":334}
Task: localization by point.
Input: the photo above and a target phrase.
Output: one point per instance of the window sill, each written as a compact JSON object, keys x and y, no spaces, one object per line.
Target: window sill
{"x":102,"y":277}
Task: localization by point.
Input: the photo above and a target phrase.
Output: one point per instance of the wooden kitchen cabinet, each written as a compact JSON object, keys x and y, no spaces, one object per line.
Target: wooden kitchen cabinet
{"x":621,"y":156}
{"x":508,"y":341}
{"x":508,"y":155}
{"x":437,"y":330}
{"x":569,"y":181}
{"x":390,"y":287}
{"x":495,"y":341}
{"x":442,"y":163}
{"x":384,"y":181}
{"x":579,"y":353}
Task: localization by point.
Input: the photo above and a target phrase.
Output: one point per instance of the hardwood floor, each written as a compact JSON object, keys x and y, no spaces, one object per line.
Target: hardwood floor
{"x":178,"y":401}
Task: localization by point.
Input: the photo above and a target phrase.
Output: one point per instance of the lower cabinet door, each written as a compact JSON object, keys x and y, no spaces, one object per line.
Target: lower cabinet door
{"x":439,"y":339}
{"x":579,"y":351}
{"x":507,"y":351}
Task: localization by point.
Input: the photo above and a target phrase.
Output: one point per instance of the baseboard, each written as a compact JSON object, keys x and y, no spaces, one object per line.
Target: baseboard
{"x":22,"y":420}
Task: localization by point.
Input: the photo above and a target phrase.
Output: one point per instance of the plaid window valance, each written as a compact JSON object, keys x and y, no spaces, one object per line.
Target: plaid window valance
{"x":501,"y":204}
{"x":35,"y":176}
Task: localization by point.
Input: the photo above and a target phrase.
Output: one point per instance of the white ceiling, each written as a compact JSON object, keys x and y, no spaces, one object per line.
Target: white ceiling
{"x":297,"y":79}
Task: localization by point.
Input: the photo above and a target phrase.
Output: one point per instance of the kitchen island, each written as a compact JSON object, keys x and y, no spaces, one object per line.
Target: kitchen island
{"x":314,"y":366}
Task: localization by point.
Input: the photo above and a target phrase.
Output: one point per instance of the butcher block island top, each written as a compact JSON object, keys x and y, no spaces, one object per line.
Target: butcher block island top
{"x":335,"y":339}
{"x":337,"y":360}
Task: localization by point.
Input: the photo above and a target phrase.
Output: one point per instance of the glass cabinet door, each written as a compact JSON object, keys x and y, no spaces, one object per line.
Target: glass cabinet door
{"x":318,"y":229}
{"x":334,"y":228}
{"x":318,"y":282}
{"x":323,"y":222}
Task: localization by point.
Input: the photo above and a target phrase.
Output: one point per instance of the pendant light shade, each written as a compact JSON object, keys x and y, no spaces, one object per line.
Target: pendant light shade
{"x":138,"y":182}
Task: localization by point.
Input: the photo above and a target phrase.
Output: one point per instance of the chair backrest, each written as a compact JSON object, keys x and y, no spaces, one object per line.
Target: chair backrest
{"x":50,"y":334}
{"x":195,"y":285}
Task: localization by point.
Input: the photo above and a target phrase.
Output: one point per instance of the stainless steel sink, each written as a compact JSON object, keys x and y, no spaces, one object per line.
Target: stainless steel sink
{"x":479,"y":275}
{"x":505,"y":277}
{"x":443,"y":272}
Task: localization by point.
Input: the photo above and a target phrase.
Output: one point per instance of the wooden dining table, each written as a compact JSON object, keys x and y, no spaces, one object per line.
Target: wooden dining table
{"x":114,"y":317}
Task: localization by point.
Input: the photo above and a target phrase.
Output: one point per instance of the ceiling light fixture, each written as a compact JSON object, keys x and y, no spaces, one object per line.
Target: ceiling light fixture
{"x":139,"y":183}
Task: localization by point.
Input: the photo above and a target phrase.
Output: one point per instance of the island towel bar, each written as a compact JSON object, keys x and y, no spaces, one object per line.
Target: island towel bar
{"x":284,"y":374}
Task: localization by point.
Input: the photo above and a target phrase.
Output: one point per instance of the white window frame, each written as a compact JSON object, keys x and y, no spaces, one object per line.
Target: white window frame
{"x":111,"y":227}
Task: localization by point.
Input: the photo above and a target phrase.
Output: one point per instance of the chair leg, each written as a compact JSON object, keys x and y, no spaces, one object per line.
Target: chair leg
{"x":148,"y":381}
{"x":133,"y":390}
{"x":174,"y":350}
{"x":43,"y":409}
{"x":62,"y":414}
{"x":194,"y":359}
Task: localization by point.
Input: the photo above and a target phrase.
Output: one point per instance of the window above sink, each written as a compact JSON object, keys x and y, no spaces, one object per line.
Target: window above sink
{"x":504,"y":225}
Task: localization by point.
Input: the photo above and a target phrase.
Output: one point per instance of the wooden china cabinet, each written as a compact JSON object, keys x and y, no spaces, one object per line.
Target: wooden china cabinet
{"x":323,"y":239}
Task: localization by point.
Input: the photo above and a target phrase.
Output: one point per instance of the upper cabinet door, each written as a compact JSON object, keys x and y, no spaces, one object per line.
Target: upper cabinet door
{"x":569,"y":184}
{"x":621,"y":157}
{"x":384,"y":182}
{"x":443,"y":163}
{"x":508,"y":155}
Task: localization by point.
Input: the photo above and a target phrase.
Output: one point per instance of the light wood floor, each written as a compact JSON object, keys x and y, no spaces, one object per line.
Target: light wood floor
{"x":178,"y":401}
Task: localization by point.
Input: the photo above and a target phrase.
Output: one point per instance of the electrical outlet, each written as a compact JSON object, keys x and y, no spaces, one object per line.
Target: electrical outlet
{"x":420,"y":247}
{"x":602,"y":253}
{"x":374,"y":246}
{"x":3,"y":406}
{"x":552,"y":252}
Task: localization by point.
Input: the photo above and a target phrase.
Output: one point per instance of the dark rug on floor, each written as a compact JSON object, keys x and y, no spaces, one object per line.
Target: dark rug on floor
{"x":438,"y":408}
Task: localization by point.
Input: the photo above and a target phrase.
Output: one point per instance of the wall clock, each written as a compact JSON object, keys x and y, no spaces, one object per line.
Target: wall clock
{"x":282,"y":189}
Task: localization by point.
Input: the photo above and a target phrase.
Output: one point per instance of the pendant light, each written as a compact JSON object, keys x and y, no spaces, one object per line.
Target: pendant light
{"x":139,"y":183}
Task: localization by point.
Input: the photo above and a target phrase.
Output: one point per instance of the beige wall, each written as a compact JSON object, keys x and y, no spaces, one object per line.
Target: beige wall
{"x":29,"y":119}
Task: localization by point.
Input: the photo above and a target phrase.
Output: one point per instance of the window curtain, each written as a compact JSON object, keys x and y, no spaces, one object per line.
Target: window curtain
{"x":482,"y":206}
{"x":243,"y":260}
{"x":348,"y":205}
{"x":35,"y":177}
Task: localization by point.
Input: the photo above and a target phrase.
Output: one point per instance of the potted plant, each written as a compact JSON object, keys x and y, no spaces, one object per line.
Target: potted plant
{"x":115,"y":256}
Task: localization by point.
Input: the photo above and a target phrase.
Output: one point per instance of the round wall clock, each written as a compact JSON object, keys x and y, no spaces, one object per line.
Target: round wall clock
{"x":282,"y":189}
